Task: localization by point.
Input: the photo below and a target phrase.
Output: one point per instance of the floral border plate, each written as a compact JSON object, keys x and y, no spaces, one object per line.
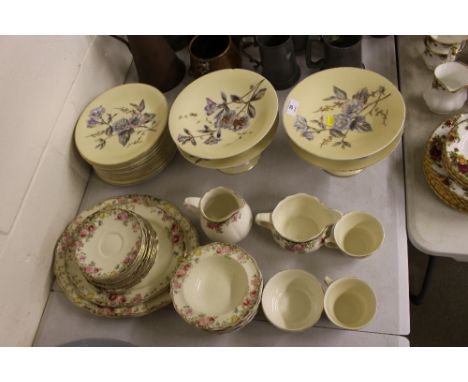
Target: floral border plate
{"x":344,"y":114}
{"x":223,"y":113}
{"x":227,"y":320}
{"x":121,"y":124}
{"x":434,"y":169}
{"x":190,"y":238}
{"x":456,"y":150}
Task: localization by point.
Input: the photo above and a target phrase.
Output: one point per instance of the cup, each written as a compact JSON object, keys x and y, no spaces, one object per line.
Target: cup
{"x":156,"y":62}
{"x":349,"y":302}
{"x":357,"y":234}
{"x":278,"y":60}
{"x":299,"y":223}
{"x":336,"y":51}
{"x":210,"y":53}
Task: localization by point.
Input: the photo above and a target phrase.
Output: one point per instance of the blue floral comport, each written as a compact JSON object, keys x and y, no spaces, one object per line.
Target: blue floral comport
{"x":233,"y":114}
{"x":343,"y":115}
{"x":135,"y":123}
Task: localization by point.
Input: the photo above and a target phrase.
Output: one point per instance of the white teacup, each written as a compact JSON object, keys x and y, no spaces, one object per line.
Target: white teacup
{"x":349,"y":302}
{"x":357,"y":234}
{"x":292,"y":300}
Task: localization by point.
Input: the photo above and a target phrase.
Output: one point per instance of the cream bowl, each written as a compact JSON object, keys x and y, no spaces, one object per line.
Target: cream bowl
{"x":293,"y":300}
{"x":216,"y":285}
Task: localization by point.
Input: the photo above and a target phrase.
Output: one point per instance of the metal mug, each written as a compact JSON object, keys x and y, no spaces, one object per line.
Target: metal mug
{"x":278,"y":60}
{"x":156,"y":62}
{"x":210,"y":53}
{"x":337,"y":51}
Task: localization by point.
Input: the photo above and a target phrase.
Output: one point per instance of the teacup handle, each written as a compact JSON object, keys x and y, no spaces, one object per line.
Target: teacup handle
{"x":264,"y":220}
{"x":192,"y":204}
{"x":328,"y":280}
{"x":330,"y":238}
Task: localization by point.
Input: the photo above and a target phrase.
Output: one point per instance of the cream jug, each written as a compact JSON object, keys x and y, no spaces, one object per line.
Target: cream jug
{"x":299,"y":223}
{"x":224,"y":215}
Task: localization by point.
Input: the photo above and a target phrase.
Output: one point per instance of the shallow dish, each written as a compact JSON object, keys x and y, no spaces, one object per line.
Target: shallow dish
{"x":238,"y":160}
{"x":293,"y":300}
{"x":344,"y":114}
{"x":121,"y":125}
{"x":217,"y":287}
{"x":456,"y":150}
{"x":114,"y":305}
{"x":223,"y":114}
{"x":346,"y":168}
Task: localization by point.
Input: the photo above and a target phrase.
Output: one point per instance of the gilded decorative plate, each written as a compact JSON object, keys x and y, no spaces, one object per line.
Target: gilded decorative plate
{"x":223,"y":114}
{"x":456,"y":150}
{"x":344,"y":114}
{"x":121,"y":124}
{"x":67,"y":271}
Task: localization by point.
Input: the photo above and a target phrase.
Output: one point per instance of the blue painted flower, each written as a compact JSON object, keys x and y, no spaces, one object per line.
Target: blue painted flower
{"x":341,"y":121}
{"x":97,"y":112}
{"x":225,"y":119}
{"x":301,"y":123}
{"x":210,"y":107}
{"x":240,"y":123}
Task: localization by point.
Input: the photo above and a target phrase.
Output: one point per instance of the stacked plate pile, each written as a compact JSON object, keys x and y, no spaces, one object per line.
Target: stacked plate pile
{"x":217,"y":288}
{"x":225,"y":120}
{"x":446,"y":162}
{"x":123,"y":134}
{"x":117,"y":258}
{"x":344,"y":120}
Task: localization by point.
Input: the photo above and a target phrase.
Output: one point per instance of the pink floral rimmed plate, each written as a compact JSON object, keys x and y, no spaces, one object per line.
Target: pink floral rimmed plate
{"x":64,"y":264}
{"x":228,"y":284}
{"x":456,"y":150}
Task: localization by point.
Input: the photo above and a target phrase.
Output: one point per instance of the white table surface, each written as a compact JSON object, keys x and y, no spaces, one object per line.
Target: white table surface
{"x":378,"y":190}
{"x":167,"y":329}
{"x":433,"y":227}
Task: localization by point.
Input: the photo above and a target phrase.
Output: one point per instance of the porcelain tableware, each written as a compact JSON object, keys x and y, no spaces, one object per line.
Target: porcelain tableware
{"x":224,"y":215}
{"x":210,"y":53}
{"x":349,"y":303}
{"x":278,"y":60}
{"x":336,"y":51}
{"x":223,"y":114}
{"x":299,"y":222}
{"x":452,"y":75}
{"x":151,"y":296}
{"x":357,"y":234}
{"x":455,"y":154}
{"x":292,"y":300}
{"x":216,"y":287}
{"x":444,"y":186}
{"x":344,"y":114}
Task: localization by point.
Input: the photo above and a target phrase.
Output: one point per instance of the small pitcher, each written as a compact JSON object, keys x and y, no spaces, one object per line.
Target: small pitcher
{"x":224,"y":215}
{"x":299,"y":223}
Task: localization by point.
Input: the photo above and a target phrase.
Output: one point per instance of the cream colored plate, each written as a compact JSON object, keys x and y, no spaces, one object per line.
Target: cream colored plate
{"x":63,"y":266}
{"x":344,"y":114}
{"x":293,"y":300}
{"x":237,"y":160}
{"x":346,"y":166}
{"x":121,"y":124}
{"x":223,"y":114}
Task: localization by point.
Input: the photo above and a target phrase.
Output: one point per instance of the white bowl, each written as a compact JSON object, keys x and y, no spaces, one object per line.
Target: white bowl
{"x":293,"y":300}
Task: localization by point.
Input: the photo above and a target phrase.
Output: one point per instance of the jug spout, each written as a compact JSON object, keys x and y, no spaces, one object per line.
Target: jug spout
{"x":220,"y":204}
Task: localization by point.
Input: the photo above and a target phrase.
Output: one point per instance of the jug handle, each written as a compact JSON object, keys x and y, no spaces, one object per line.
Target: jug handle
{"x":264,"y":220}
{"x":192,"y":204}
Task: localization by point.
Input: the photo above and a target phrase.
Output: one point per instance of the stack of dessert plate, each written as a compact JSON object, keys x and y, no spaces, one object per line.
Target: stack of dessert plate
{"x":217,"y":288}
{"x":123,"y":134}
{"x":344,"y":119}
{"x":117,"y":258}
{"x":440,"y":49}
{"x":446,"y":162}
{"x":225,"y":120}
